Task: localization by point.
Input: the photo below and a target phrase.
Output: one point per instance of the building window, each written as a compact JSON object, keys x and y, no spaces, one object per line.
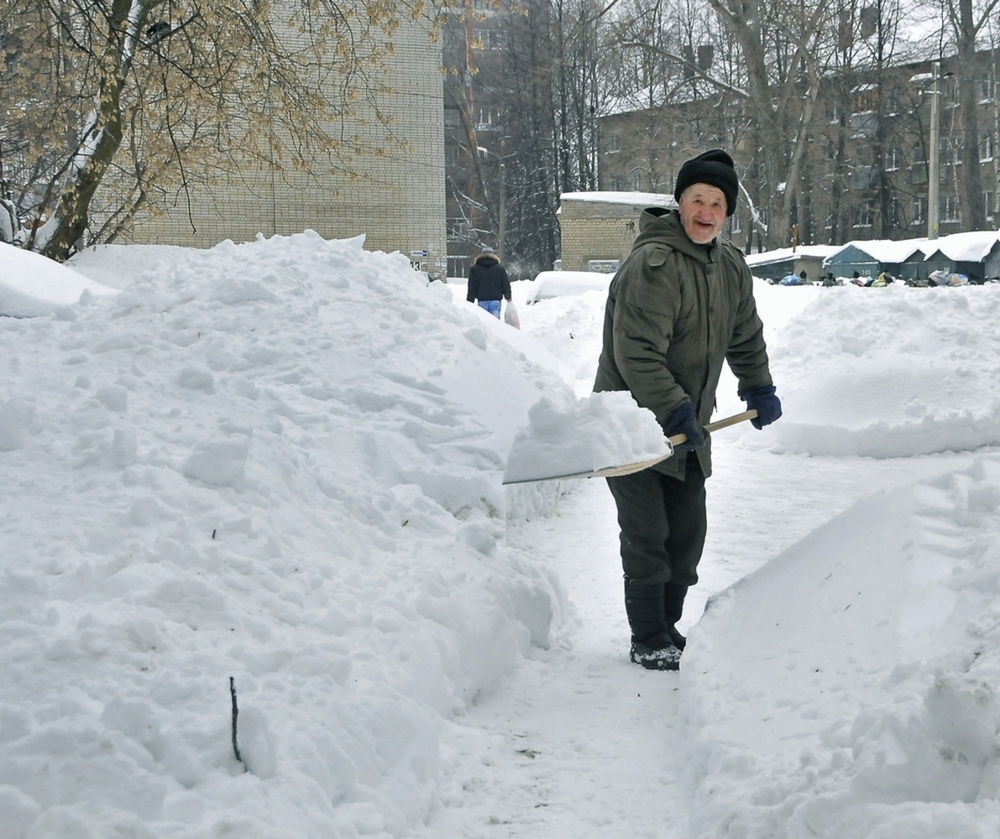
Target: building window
{"x":896,"y":213}
{"x":489,"y":38}
{"x":488,"y":117}
{"x":918,"y":209}
{"x":457,"y":228}
{"x":736,"y":222}
{"x":987,"y":87}
{"x":617,"y":183}
{"x":865,"y":98}
{"x":990,"y":201}
{"x":893,"y":158}
{"x":863,"y":214}
{"x":860,"y":177}
{"x":949,"y":92}
{"x":949,"y":209}
{"x":864,"y":124}
{"x":614,"y":143}
{"x":985,"y":148}
{"x":951,"y":151}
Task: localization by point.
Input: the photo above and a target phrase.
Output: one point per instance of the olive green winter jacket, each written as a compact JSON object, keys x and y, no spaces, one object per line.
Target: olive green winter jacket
{"x":676,"y":310}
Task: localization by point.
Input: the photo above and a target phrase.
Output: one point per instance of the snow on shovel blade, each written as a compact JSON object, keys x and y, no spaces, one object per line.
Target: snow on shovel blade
{"x":532,"y":460}
{"x":579,"y":436}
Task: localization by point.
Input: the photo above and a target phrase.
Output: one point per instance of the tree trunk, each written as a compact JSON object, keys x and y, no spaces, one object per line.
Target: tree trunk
{"x":99,"y":141}
{"x":972,"y":182}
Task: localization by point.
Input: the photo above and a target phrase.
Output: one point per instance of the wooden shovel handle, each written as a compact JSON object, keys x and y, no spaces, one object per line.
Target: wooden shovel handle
{"x":677,"y":439}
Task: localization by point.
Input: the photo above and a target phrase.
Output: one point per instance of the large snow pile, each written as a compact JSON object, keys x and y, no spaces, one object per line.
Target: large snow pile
{"x":278,"y":462}
{"x":889,"y":372}
{"x":281,"y":463}
{"x":849,"y":687}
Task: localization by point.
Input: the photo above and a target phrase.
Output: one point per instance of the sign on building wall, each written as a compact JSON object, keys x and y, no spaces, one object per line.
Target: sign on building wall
{"x":603,"y":266}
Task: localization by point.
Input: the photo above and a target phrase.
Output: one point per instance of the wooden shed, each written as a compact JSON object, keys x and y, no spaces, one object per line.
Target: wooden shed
{"x":975,"y":254}
{"x":869,"y":258}
{"x":773,"y":265}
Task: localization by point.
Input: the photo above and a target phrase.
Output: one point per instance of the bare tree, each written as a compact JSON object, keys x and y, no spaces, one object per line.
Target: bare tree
{"x":540,"y":74}
{"x":526,"y":87}
{"x":114,"y":105}
{"x":770,"y":56}
{"x":784,"y":46}
{"x":968,"y":19}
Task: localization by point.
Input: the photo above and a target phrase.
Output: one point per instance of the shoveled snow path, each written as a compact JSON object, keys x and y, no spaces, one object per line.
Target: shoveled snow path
{"x":579,"y":741}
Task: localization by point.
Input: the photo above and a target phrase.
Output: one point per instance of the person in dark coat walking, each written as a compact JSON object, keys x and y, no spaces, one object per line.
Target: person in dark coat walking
{"x":679,"y":307}
{"x":488,"y":282}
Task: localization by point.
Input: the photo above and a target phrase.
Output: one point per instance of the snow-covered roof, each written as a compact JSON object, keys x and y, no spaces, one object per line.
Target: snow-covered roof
{"x":784,"y":254}
{"x":886,"y":250}
{"x":643,"y":199}
{"x":973,"y":246}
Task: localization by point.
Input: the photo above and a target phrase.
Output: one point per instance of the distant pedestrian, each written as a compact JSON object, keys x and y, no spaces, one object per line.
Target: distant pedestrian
{"x":488,"y":282}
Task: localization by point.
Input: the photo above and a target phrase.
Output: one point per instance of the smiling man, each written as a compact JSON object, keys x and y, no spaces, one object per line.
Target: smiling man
{"x":680,"y":305}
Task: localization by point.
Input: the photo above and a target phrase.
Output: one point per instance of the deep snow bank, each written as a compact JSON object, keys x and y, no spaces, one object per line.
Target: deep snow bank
{"x":32,"y":285}
{"x":278,"y":462}
{"x":849,"y":687}
{"x":889,"y":372}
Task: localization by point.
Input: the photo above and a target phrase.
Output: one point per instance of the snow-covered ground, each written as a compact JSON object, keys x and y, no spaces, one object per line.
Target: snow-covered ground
{"x":280,"y":464}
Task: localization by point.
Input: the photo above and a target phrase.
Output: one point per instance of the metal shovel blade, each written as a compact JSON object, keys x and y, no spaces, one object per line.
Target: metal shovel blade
{"x":629,"y":468}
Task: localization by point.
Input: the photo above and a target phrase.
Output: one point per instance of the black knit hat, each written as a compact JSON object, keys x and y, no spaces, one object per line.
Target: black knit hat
{"x":714,"y":168}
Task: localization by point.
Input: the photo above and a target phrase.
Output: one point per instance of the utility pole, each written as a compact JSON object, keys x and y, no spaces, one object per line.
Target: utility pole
{"x":934,"y":154}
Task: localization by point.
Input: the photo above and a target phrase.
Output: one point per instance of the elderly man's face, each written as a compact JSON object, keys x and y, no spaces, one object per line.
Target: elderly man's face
{"x":703,"y":212}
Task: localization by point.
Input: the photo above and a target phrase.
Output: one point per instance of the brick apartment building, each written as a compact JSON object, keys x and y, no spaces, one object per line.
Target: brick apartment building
{"x":397,"y":201}
{"x":865,"y":173}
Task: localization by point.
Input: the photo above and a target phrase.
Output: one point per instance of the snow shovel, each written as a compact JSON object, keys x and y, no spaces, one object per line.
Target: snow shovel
{"x":629,"y":468}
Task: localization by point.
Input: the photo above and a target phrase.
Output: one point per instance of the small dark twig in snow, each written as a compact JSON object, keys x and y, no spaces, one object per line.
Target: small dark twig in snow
{"x":236,"y":748}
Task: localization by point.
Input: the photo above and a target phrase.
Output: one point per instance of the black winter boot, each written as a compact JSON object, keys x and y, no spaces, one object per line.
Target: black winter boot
{"x":667,"y":657}
{"x":673,"y":608}
{"x":651,"y":644}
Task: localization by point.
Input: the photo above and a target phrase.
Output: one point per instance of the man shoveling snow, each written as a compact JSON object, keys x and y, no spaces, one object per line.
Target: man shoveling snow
{"x":681,"y":304}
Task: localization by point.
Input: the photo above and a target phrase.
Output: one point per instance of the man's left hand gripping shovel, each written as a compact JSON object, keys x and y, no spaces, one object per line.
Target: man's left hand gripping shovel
{"x":629,"y":468}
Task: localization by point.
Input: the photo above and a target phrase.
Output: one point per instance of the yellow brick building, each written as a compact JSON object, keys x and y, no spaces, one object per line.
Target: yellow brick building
{"x":599,"y":227}
{"x":397,"y":202}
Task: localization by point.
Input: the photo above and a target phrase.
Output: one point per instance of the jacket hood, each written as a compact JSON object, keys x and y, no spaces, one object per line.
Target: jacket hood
{"x":486,"y":259}
{"x":662,"y":226}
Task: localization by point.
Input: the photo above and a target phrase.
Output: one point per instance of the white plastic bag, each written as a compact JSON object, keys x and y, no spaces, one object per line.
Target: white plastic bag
{"x":510,"y":316}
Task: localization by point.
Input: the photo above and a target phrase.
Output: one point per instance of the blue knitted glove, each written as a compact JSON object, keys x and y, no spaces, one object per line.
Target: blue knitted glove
{"x":684,"y":420}
{"x":767,"y":405}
